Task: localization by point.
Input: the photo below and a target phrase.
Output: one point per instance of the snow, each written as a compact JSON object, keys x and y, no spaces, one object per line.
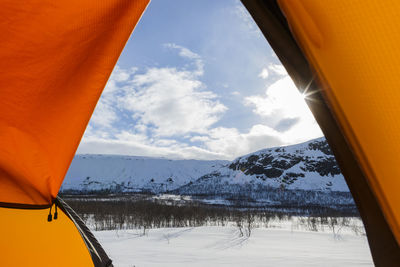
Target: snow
{"x":119,"y":173}
{"x":172,"y":197}
{"x":222,"y":246}
{"x":301,"y":148}
{"x":102,"y":171}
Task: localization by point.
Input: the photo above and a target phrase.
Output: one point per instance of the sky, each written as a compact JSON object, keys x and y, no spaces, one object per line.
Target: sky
{"x":197,"y":80}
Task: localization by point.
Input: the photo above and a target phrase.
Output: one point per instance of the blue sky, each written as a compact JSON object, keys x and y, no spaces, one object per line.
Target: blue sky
{"x":197,"y":80}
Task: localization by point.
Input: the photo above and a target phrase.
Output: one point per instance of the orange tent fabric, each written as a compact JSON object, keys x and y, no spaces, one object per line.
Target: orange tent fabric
{"x":354,"y":48}
{"x":27,"y":239}
{"x":55,"y":59}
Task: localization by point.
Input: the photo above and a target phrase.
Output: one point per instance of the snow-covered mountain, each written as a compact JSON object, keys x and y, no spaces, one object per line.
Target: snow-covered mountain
{"x":134,"y":174}
{"x":306,"y":166}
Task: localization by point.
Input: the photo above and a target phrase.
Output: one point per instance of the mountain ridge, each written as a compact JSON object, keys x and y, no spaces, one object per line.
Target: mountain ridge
{"x":305,"y":166}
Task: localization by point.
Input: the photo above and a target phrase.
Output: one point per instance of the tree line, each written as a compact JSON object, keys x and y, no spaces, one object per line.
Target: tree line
{"x":124,"y":213}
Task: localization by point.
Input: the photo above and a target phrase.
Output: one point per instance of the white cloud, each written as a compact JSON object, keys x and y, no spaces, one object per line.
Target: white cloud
{"x":132,"y":144}
{"x":188,"y":54}
{"x":161,"y":103}
{"x":264,"y":73}
{"x":231,"y":143}
{"x":235,"y":93}
{"x":183,"y":51}
{"x":172,"y":102}
{"x":281,"y":99}
{"x":284,"y":107}
{"x":278,"y":69}
{"x":141,"y":128}
{"x":167,"y":101}
{"x":218,"y":143}
{"x":161,"y":112}
{"x":105,"y":114}
{"x":199,"y":138}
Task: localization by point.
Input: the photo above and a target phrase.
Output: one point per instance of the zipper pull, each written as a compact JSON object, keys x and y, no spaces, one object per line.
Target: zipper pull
{"x":55,"y":213}
{"x":49,"y":217}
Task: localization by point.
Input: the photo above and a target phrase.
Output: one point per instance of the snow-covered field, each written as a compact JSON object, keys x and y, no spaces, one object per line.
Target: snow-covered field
{"x":223,"y":246}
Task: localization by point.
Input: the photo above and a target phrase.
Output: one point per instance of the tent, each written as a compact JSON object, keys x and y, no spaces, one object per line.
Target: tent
{"x":344,"y":56}
{"x":55,"y":59}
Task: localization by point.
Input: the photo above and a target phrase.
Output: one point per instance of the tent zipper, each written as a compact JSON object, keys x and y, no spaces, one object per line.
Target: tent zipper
{"x":50,"y":216}
{"x":55,"y":213}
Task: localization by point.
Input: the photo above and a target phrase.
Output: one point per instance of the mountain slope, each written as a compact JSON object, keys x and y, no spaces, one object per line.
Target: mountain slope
{"x":306,"y":166}
{"x":132,"y":174}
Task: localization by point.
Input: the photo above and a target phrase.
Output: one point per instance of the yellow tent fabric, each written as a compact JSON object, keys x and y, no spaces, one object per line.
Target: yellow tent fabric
{"x":354,"y":48}
{"x":55,"y":59}
{"x":27,"y":239}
